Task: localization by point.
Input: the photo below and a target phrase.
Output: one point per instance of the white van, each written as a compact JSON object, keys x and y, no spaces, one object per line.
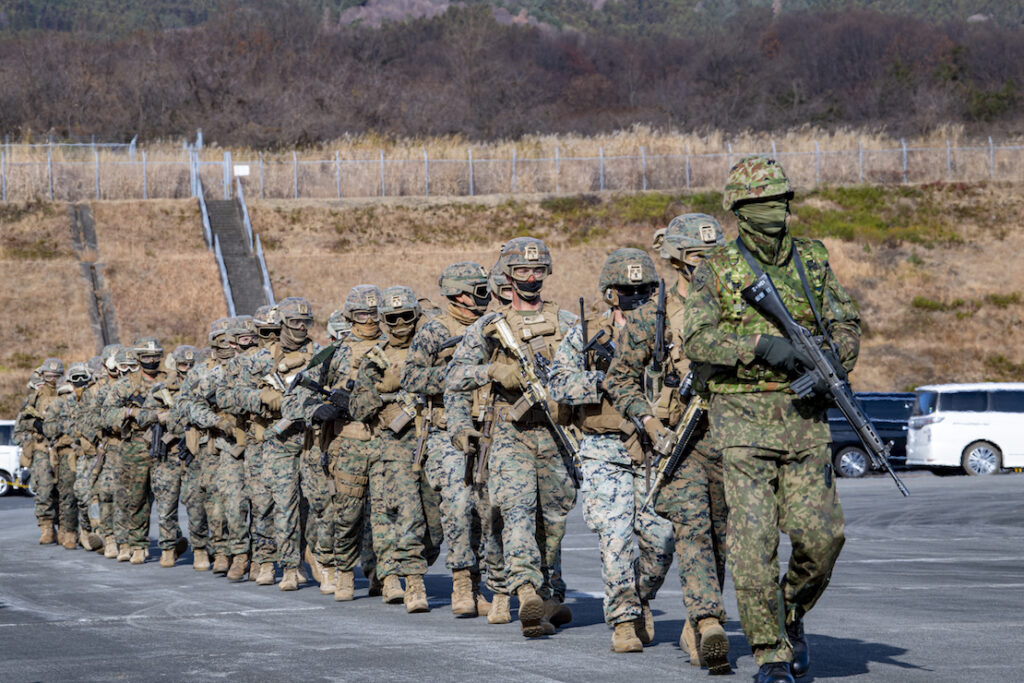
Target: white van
{"x":978,"y":427}
{"x":10,"y":454}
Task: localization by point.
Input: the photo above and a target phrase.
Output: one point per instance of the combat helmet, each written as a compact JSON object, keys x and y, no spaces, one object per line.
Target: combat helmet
{"x":241,"y":325}
{"x":364,"y":300}
{"x":466,"y":277}
{"x":524,"y":251}
{"x":686,"y":239}
{"x":79,"y":374}
{"x":755,"y":178}
{"x":218,"y":328}
{"x":627,"y":278}
{"x":294,"y":308}
{"x":398,"y":304}
{"x":338,"y":326}
{"x":147,"y":346}
{"x":499,"y":284}
{"x":185,"y":354}
{"x":52,"y":366}
{"x":267,"y":320}
{"x":108,"y":354}
{"x":95,"y":365}
{"x":125,"y":360}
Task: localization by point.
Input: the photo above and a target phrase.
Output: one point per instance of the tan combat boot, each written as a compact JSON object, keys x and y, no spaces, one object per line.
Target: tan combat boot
{"x":463,"y":603}
{"x":110,"y":548}
{"x":46,"y":533}
{"x":328,"y":581}
{"x":624,"y":638}
{"x":391,"y":591}
{"x":499,"y":612}
{"x":289,"y":580}
{"x":531,"y":611}
{"x":124,"y":552}
{"x":266,"y":574}
{"x":415,"y":595}
{"x":714,"y":646}
{"x":220,"y":564}
{"x":314,"y":565}
{"x":139,"y":555}
{"x":166,"y":558}
{"x":557,"y":612}
{"x":200,"y":560}
{"x":483,"y":605}
{"x":644,"y":624}
{"x":239,"y":566}
{"x":90,"y":540}
{"x":688,"y":643}
{"x":70,"y":540}
{"x":345,"y":585}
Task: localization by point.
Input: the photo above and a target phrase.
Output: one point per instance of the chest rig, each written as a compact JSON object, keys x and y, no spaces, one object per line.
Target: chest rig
{"x":539,"y":334}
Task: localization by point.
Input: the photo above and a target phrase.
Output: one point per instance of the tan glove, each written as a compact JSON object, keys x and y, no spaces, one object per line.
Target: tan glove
{"x":226,"y":425}
{"x":657,"y":431}
{"x":271,"y":398}
{"x":461,"y":440}
{"x":506,"y":375}
{"x":390,"y":382}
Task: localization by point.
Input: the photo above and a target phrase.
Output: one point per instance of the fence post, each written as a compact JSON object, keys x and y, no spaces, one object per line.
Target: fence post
{"x":600,"y":151}
{"x":295,"y":174}
{"x":49,"y":167}
{"x":687,"y":165}
{"x":131,"y":148}
{"x":382,"y":192}
{"x":643,"y":166}
{"x":514,"y":179}
{"x":991,"y":159}
{"x":337,"y":170}
{"x":3,"y":172}
{"x":199,"y":138}
{"x":260,"y":154}
{"x":426,"y":172}
{"x":903,"y":144}
{"x":96,"y":158}
{"x":730,"y":155}
{"x":949,"y":162}
{"x":775,"y":152}
{"x":860,"y":162}
{"x":470,"y":171}
{"x":817,"y":163}
{"x":145,"y":186}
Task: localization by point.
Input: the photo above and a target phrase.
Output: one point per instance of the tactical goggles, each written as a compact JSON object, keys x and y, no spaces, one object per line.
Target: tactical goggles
{"x":634,"y":291}
{"x":524,"y":273}
{"x":298,"y":323}
{"x":51,"y":376}
{"x":365,"y":316}
{"x":400,"y":317}
{"x":78,"y":377}
{"x":481,"y":291}
{"x":150,"y":358}
{"x":184,"y":365}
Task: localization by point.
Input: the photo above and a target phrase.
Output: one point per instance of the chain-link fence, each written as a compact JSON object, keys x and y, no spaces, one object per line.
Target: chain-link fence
{"x":93,"y":171}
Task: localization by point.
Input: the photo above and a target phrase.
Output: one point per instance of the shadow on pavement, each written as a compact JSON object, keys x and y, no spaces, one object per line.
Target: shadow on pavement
{"x":842,"y":657}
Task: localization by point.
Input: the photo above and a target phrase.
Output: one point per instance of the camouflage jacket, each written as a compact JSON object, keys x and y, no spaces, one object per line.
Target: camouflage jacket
{"x":162,"y":398}
{"x":426,"y":364}
{"x":478,"y":349}
{"x":367,"y":401}
{"x":25,"y":426}
{"x":89,"y":409}
{"x":188,"y":394}
{"x":59,"y":421}
{"x":124,"y":395}
{"x":203,"y":411}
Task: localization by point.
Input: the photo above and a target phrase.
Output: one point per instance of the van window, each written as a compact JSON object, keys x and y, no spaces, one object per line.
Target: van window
{"x":964,"y":401}
{"x":887,"y":409}
{"x":1007,"y":401}
{"x":926,"y":403}
{"x":5,"y":435}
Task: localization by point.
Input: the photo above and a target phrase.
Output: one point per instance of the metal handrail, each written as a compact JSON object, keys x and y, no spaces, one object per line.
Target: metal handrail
{"x":268,"y":289}
{"x":223,"y":276}
{"x":245,"y":212}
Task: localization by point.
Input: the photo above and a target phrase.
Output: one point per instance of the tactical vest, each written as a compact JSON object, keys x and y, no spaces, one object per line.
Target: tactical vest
{"x":738,"y":318}
{"x":392,"y":404}
{"x":354,"y":429}
{"x":455,"y":328}
{"x":139,"y":386}
{"x":45,"y":395}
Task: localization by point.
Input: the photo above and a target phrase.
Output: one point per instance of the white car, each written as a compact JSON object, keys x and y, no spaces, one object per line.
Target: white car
{"x":11,"y":472}
{"x":977,"y":427}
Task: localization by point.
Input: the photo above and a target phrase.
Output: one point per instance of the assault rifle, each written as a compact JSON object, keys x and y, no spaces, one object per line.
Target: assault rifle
{"x":535,"y":395}
{"x":184,"y":454}
{"x":763,"y":296}
{"x":337,"y":397}
{"x":654,"y":372}
{"x":673,"y":449}
{"x":157,"y":445}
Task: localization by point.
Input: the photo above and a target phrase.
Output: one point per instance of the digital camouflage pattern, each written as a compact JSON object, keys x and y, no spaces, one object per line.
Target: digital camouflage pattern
{"x":688,"y":232}
{"x":627,"y":267}
{"x":755,"y":178}
{"x":167,"y":472}
{"x":59,"y":428}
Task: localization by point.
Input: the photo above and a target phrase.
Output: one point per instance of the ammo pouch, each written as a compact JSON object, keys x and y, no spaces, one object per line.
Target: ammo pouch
{"x":394,"y":417}
{"x":352,"y":485}
{"x":192,"y":441}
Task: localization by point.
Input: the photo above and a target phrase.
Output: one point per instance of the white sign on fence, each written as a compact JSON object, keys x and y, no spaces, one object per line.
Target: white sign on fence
{"x":241,"y":170}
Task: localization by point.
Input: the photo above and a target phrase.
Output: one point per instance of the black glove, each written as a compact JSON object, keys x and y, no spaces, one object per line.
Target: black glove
{"x":780,"y":353}
{"x":37,"y":425}
{"x":327,"y":412}
{"x":340,"y":398}
{"x":837,"y":364}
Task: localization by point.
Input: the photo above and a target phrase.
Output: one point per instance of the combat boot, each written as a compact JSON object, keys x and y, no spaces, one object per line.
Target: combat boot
{"x":239,"y":566}
{"x":415,"y":595}
{"x":314,"y":565}
{"x":624,"y":638}
{"x":124,"y":553}
{"x":139,"y":555}
{"x":70,"y":541}
{"x":180,"y":548}
{"x":110,"y":548}
{"x":166,"y":558}
{"x":200,"y":560}
{"x":328,"y":581}
{"x":774,"y":672}
{"x":376,"y":587}
{"x":289,"y":580}
{"x":266,"y":574}
{"x":90,"y":540}
{"x":220,"y":564}
{"x":531,"y":610}
{"x":483,"y":605}
{"x":391,"y":592}
{"x":714,"y":646}
{"x":801,"y":653}
{"x":499,"y":612}
{"x":463,"y":603}
{"x":344,"y":585}
{"x":46,"y":535}
{"x":644,"y":624}
{"x":546,"y":626}
{"x":688,"y":643}
{"x":557,"y":612}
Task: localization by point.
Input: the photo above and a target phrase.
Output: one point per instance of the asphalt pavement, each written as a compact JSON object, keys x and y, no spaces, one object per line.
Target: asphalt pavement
{"x":929,"y":588}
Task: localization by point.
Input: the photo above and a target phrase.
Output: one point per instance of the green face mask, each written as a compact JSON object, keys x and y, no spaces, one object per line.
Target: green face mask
{"x":768,"y":218}
{"x":762,"y":227}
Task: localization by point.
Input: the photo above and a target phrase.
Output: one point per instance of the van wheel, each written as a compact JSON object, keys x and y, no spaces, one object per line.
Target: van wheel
{"x":851,"y":462}
{"x":980,"y":458}
{"x":5,"y":484}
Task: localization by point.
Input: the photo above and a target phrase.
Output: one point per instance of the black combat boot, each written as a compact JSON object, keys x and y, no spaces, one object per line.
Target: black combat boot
{"x":801,"y":653}
{"x":774,"y":672}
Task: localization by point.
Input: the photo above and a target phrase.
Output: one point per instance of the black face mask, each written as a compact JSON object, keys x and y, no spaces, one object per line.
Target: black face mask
{"x":480,"y":303}
{"x":150,"y":366}
{"x":528,"y":291}
{"x":631,"y":297}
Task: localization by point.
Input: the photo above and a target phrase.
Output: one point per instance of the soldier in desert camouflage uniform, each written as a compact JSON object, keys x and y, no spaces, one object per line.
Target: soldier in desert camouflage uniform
{"x":88,"y":527}
{"x":36,"y":447}
{"x":102,"y":475}
{"x":527,"y":477}
{"x":465,"y":286}
{"x":778,"y":474}
{"x":59,"y":428}
{"x":611,"y":454}
{"x":402,"y":541}
{"x":694,"y":498}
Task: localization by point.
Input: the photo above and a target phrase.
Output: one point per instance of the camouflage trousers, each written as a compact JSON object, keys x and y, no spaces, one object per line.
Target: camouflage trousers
{"x":167,"y":475}
{"x":491,"y":527}
{"x":694,"y":501}
{"x":261,"y":504}
{"x":44,"y":482}
{"x":612,"y":498}
{"x":404,"y":542}
{"x":112,"y":514}
{"x":530,"y":485}
{"x":795,"y":493}
{"x":445,"y":471}
{"x":350,"y":469}
{"x":209,"y":463}
{"x":67,"y":505}
{"x":281,"y":456}
{"x":136,"y":470}
{"x":193,"y":497}
{"x":323,"y":513}
{"x":234,"y":502}
{"x":83,"y":492}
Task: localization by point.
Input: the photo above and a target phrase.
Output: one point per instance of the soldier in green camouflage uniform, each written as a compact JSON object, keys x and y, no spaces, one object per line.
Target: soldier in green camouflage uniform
{"x":528,"y":479}
{"x":693,"y":499}
{"x":465,"y":286}
{"x":611,"y":456}
{"x":402,"y":539}
{"x":88,"y":533}
{"x":775,"y":446}
{"x":29,"y":427}
{"x":59,"y":428}
{"x":140,"y":369}
{"x":102,"y":476}
{"x":168,"y":470}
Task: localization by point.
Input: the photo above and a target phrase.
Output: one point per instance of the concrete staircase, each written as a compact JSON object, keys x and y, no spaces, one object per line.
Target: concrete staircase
{"x":243,"y":268}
